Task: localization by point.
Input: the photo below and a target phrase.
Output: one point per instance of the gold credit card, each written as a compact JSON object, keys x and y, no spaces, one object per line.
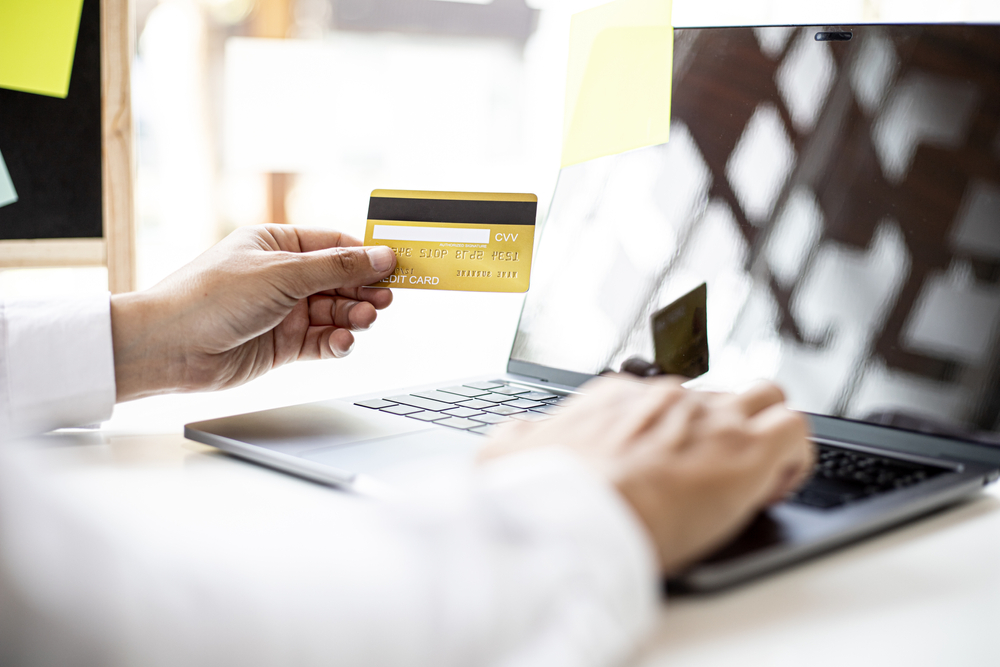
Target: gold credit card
{"x":475,"y":241}
{"x":680,"y":335}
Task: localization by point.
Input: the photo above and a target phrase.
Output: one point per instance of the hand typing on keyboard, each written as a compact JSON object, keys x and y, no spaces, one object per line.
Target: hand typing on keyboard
{"x":695,"y":466}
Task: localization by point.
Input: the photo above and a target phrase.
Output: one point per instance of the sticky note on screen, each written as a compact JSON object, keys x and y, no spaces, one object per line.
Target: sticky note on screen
{"x":37,"y":44}
{"x":8,"y":195}
{"x":618,"y":82}
{"x":474,"y":241}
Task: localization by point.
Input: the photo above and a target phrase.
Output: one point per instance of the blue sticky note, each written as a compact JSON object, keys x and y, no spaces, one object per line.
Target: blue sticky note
{"x":8,"y":195}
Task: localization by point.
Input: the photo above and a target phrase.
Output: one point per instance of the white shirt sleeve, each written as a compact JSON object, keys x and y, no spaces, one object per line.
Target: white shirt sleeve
{"x":56,"y":364}
{"x":531,"y":560}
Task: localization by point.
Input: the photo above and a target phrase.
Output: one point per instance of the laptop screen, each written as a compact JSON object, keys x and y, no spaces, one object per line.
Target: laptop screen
{"x":841,"y":199}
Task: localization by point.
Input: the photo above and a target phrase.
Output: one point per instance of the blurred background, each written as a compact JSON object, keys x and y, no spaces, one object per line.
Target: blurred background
{"x":252,"y":111}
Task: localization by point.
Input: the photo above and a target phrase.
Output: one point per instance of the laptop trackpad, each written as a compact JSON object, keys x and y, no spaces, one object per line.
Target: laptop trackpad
{"x":398,"y":457}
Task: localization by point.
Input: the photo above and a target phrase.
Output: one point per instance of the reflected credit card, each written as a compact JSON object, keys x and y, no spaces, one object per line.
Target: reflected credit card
{"x":474,"y":241}
{"x":680,"y":334}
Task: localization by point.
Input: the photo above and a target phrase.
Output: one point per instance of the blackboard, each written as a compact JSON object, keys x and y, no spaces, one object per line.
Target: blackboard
{"x":71,"y":161}
{"x":52,"y":148}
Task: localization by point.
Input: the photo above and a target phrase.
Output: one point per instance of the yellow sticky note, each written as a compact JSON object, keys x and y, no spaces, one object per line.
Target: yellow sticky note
{"x":618,"y":80}
{"x":37,"y":43}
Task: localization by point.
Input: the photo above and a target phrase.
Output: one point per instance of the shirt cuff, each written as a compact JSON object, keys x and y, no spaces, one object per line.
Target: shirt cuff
{"x":58,"y":365}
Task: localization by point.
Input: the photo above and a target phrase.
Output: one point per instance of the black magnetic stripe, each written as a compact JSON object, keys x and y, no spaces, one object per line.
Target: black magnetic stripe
{"x":453,"y":210}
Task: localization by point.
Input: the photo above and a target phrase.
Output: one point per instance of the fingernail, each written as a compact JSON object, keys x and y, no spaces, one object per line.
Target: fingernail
{"x":380,"y":257}
{"x":344,"y":353}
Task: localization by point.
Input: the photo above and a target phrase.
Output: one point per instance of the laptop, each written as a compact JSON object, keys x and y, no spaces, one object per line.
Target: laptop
{"x":838,"y":190}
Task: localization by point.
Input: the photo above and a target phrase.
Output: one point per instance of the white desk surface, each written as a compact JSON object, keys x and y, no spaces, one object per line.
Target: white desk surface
{"x":924,"y":594}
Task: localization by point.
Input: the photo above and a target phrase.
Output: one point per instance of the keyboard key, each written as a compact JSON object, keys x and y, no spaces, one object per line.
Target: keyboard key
{"x":817,"y":499}
{"x":484,"y":429}
{"x":401,"y":409}
{"x":503,"y":410}
{"x":426,"y":416}
{"x":375,"y":404}
{"x":440,"y":396}
{"x":458,"y":422}
{"x":476,"y":404}
{"x":468,"y":392}
{"x":491,"y":419}
{"x":496,"y":398}
{"x":462,"y":412}
{"x":538,"y":396}
{"x":547,"y":409}
{"x":422,"y":403}
{"x":521,"y":403}
{"x":485,"y":386}
{"x":530,"y":417}
{"x":553,"y":401}
{"x":511,"y":390}
{"x":842,"y":476}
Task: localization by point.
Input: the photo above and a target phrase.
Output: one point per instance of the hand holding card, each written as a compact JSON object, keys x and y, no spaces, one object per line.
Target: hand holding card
{"x":474,"y":241}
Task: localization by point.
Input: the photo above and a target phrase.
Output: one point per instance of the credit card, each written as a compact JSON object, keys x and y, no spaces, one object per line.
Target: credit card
{"x":680,"y":335}
{"x":474,"y":241}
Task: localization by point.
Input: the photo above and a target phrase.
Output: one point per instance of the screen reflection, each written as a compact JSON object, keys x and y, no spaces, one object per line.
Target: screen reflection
{"x":840,"y":198}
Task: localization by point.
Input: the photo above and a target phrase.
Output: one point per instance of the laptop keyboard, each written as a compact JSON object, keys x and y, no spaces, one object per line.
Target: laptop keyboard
{"x":475,"y":407}
{"x":841,"y":475}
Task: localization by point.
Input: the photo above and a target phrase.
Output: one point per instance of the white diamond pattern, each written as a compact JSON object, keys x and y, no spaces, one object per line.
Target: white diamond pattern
{"x":759,"y":165}
{"x":805,"y":78}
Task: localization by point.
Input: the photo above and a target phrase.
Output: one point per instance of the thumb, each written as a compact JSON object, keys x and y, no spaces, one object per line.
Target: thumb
{"x":307,"y":273}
